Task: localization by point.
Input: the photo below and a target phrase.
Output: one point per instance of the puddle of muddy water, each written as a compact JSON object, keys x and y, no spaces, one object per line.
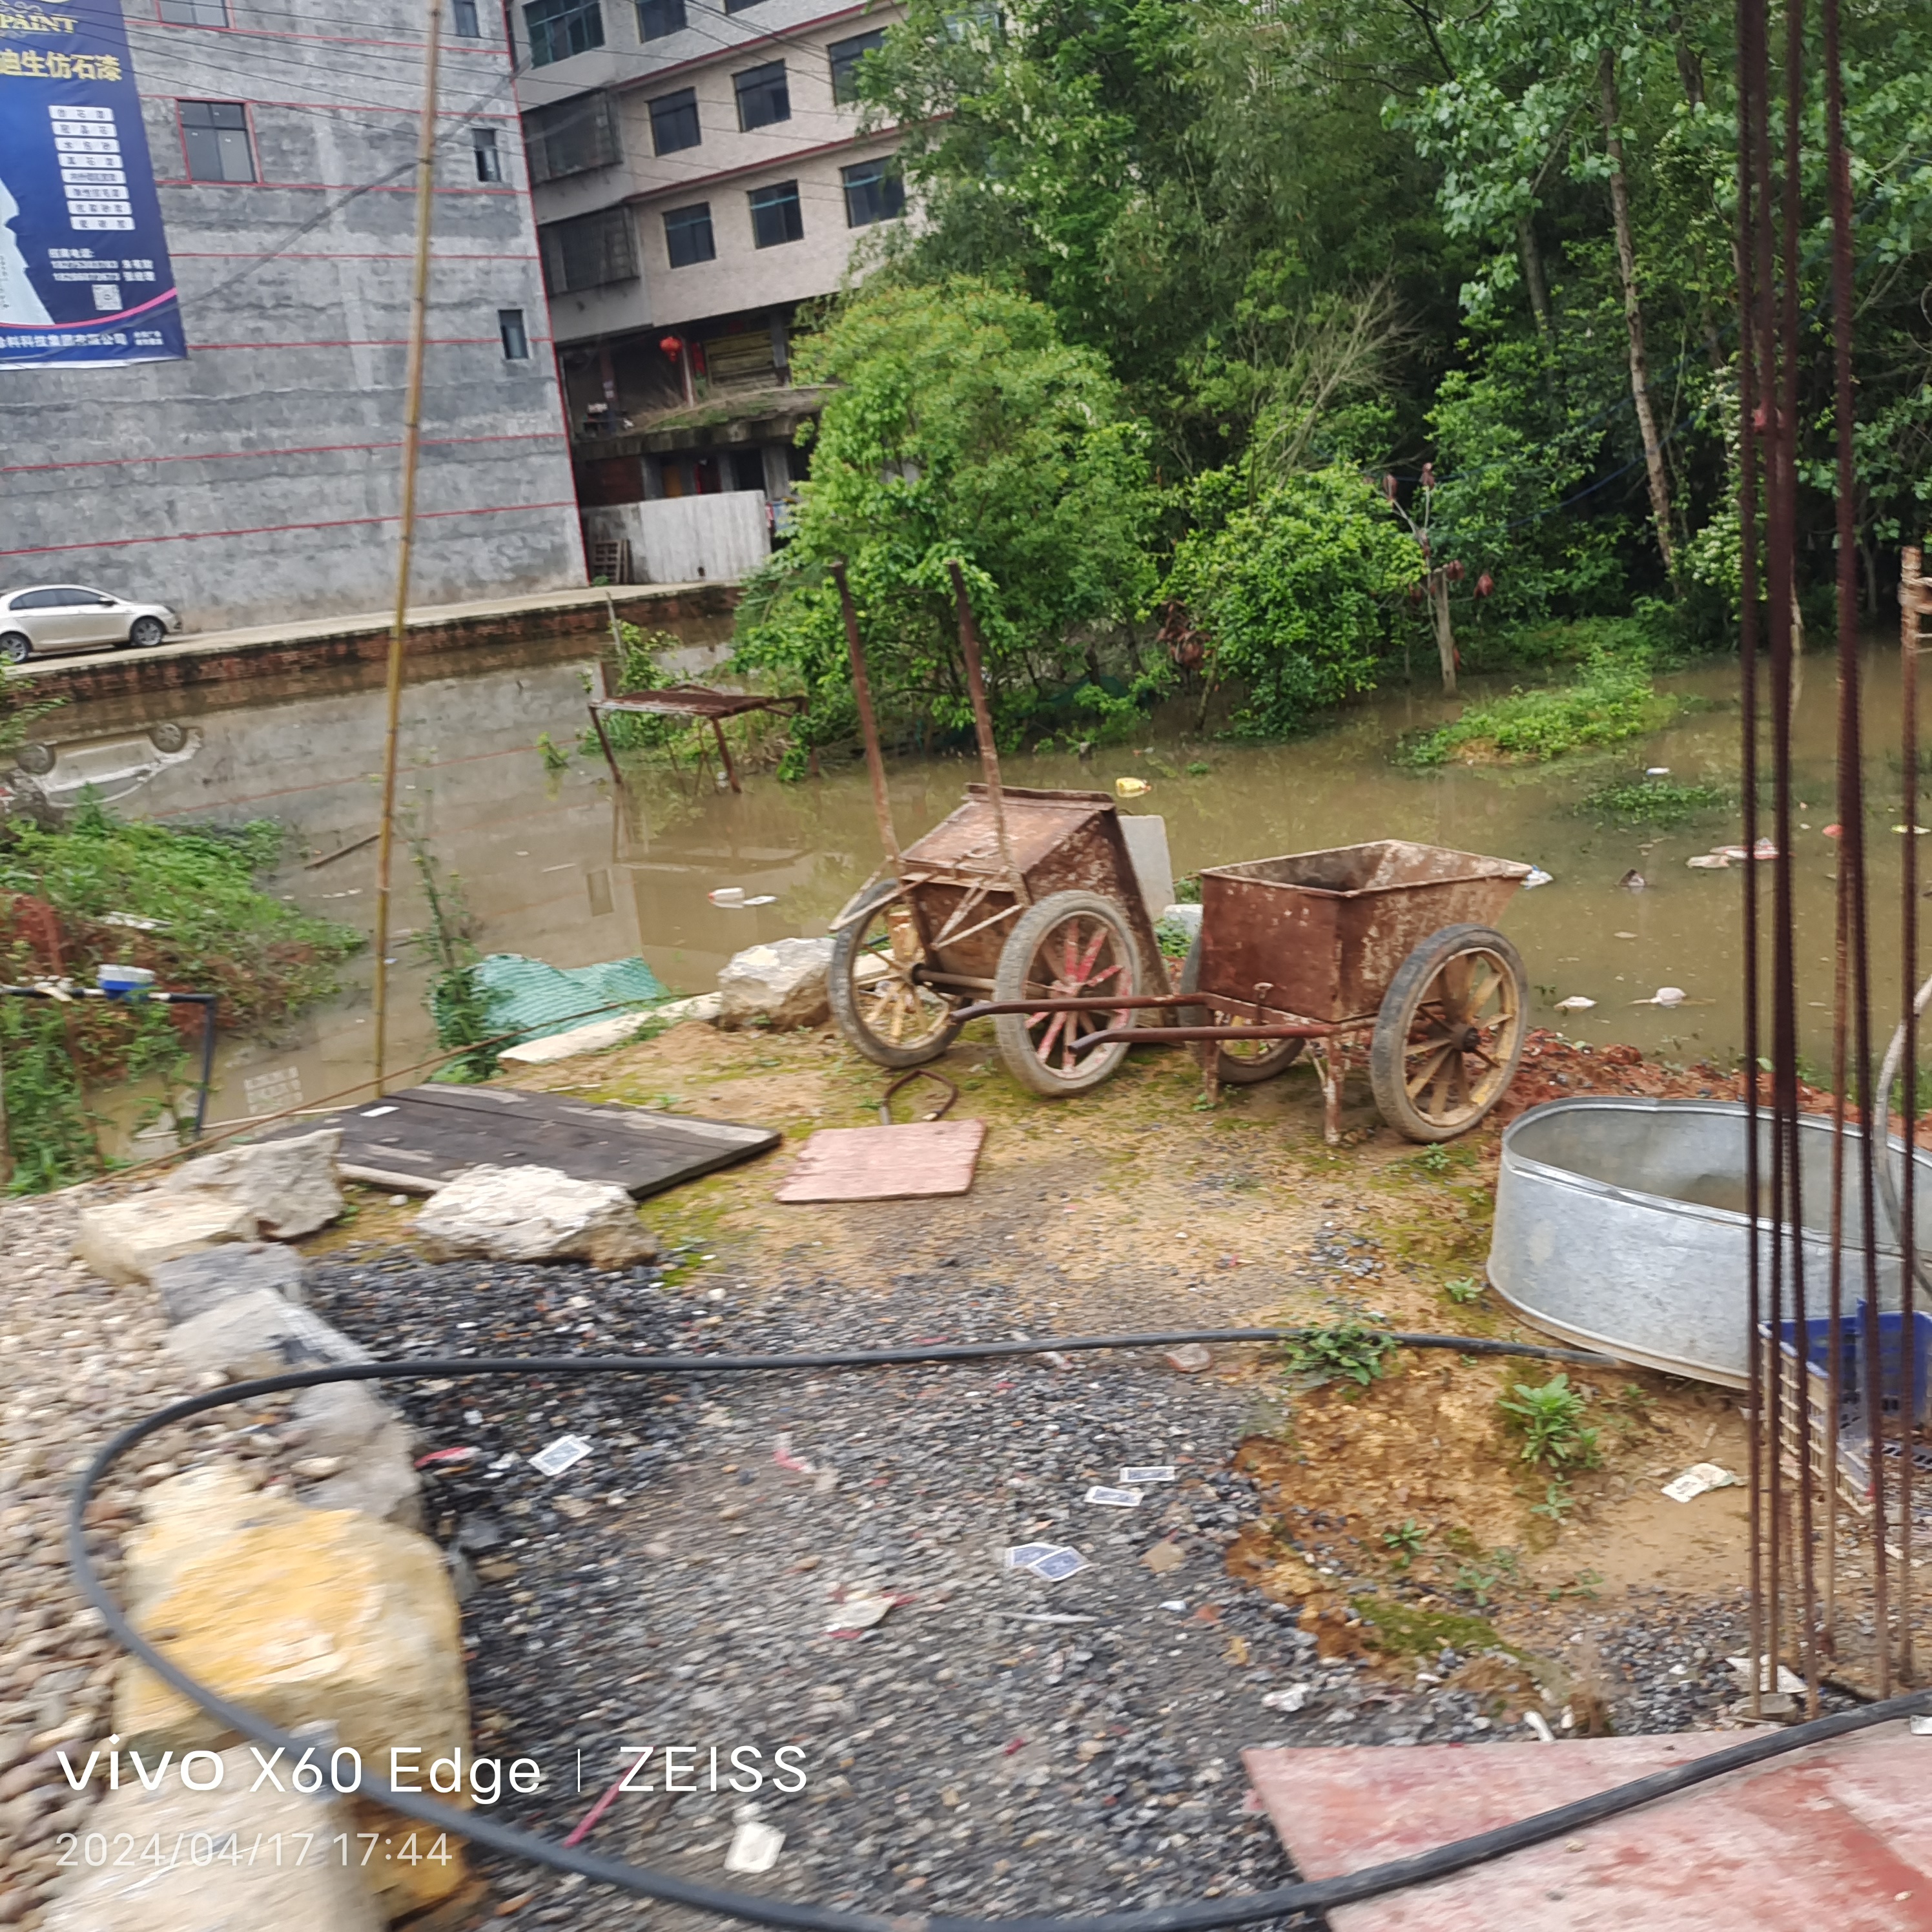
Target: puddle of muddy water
{"x":554,"y":864}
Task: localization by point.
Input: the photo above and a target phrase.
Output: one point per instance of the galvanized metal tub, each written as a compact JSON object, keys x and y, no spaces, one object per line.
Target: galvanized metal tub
{"x":1620,"y":1224}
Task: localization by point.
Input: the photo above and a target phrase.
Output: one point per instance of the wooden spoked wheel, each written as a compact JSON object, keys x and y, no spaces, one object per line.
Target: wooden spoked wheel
{"x":1238,"y":1062}
{"x":1450,"y":1032}
{"x":1070,"y":946}
{"x":881,"y":1005}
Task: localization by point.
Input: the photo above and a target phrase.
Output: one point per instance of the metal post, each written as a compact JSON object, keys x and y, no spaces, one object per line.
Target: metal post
{"x":982,"y":724}
{"x":411,"y":449}
{"x":868,"y":725}
{"x":724,"y":754}
{"x":207,"y":1002}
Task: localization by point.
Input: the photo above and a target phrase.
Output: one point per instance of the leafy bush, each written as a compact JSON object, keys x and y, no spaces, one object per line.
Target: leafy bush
{"x":1550,"y":1420}
{"x":1292,"y":592}
{"x":1645,"y":801}
{"x":1610,"y":701}
{"x":1347,"y":1349}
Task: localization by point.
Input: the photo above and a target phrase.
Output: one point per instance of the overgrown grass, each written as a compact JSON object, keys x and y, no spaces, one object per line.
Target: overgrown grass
{"x":1644,"y":801}
{"x":183,"y":904}
{"x":1611,"y":700}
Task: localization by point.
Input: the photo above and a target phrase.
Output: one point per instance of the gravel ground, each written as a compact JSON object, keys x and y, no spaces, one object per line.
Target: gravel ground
{"x":995,"y":1744}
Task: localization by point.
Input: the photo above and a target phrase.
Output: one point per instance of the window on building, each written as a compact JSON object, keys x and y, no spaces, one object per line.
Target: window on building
{"x":489,"y":156}
{"x":516,"y":336}
{"x":657,"y":18}
{"x":571,"y":137}
{"x":763,"y":98}
{"x":776,"y":216}
{"x":464,"y":20}
{"x":215,"y":134}
{"x":873,"y":193}
{"x":846,"y":55}
{"x":748,"y":469}
{"x":674,"y":121}
{"x":195,"y":13}
{"x":981,"y":22}
{"x":558,"y":29}
{"x":688,"y":237}
{"x":590,"y":253}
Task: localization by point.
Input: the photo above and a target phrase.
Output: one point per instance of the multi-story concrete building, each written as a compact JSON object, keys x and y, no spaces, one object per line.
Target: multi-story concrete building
{"x":259,"y":476}
{"x":699,"y":169}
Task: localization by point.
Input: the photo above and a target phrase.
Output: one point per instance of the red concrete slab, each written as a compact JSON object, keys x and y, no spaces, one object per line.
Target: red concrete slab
{"x":1836,"y":1838}
{"x":885,"y":1163}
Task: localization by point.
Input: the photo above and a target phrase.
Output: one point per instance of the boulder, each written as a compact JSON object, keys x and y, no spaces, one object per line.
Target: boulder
{"x":186,"y":1894}
{"x":305,"y":1616}
{"x":337,"y":1418}
{"x":779,"y":985}
{"x":191,"y":1284}
{"x":533,"y":1214}
{"x":380,"y":1479}
{"x":126,"y":1240}
{"x":290,"y":1184}
{"x":258,"y":1333}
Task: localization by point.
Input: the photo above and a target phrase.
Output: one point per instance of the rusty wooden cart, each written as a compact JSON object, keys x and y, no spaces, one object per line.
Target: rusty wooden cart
{"x":1388,"y":941}
{"x":1017,"y":890}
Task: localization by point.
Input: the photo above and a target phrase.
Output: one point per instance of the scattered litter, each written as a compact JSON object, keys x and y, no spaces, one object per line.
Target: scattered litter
{"x":1788,"y":1681}
{"x":1113,"y":1499}
{"x":1175,"y":1603}
{"x":1292,"y":1698}
{"x":763,"y":899}
{"x":1709,"y":862}
{"x":1164,"y":1556}
{"x":133,"y":921}
{"x":1063,"y":1564}
{"x":1921,"y":1727}
{"x":1131,"y":787}
{"x":1540,"y":1725}
{"x":1623,"y":935}
{"x":1147,"y":1472}
{"x":1664,"y":996}
{"x":1921,"y":829}
{"x":1634,"y":881}
{"x":1657,"y":771}
{"x":1024,"y":1556}
{"x":376,"y":1113}
{"x":447,"y":1458}
{"x":862,"y":1612}
{"x":564,"y":1454}
{"x":1835,"y":832}
{"x":754,"y":1848}
{"x":782,"y":1455}
{"x":1575,"y":1004}
{"x":1696,"y":1480}
{"x":1190,"y":1358}
{"x":1763,"y":849}
{"x":1536,"y":876}
{"x":728,"y":896}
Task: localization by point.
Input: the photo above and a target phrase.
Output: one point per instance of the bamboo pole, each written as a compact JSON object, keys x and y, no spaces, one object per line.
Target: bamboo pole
{"x":411,"y":449}
{"x":982,"y":724}
{"x":869,"y":726}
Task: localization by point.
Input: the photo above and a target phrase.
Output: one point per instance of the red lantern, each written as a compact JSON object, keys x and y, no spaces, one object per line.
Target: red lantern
{"x":1485,"y":584}
{"x":673,"y":345}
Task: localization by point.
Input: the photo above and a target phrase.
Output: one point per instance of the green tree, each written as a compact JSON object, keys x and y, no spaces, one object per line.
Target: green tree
{"x":959,"y":426}
{"x":1292,"y":592}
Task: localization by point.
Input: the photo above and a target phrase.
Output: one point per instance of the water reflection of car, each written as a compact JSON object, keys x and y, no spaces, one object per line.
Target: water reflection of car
{"x":50,"y":778}
{"x":69,"y":617}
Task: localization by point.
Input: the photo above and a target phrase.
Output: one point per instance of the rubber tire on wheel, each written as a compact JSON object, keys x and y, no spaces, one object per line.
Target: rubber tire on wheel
{"x":16,"y":647}
{"x":147,"y":632}
{"x":1010,"y":982}
{"x":1401,"y":1008}
{"x":1230,"y":1069}
{"x":841,"y":989}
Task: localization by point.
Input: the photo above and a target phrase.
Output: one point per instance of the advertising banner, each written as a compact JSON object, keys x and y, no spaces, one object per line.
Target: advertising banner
{"x":84,"y":271}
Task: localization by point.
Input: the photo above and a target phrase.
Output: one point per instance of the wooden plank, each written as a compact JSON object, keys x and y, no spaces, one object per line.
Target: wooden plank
{"x":893,"y":1163}
{"x":423,"y":1136}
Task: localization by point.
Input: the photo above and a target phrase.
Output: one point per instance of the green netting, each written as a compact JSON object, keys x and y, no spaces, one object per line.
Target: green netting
{"x":534,"y":999}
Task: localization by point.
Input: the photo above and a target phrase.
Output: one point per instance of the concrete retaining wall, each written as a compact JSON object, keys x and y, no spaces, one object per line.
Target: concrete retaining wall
{"x":718,"y":539}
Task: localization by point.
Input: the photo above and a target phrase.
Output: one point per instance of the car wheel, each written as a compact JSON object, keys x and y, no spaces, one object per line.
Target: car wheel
{"x":147,"y":630}
{"x":16,"y":647}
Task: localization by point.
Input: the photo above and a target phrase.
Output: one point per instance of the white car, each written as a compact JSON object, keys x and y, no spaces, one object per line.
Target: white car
{"x":68,"y":617}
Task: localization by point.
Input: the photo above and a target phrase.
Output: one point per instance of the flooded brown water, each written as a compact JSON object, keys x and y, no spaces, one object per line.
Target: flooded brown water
{"x":552,"y":866}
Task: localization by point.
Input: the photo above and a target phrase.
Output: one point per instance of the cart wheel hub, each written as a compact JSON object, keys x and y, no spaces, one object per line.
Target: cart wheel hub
{"x":1469,"y":1040}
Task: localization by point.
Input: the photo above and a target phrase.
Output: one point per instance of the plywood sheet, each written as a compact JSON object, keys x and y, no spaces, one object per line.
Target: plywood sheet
{"x":423,"y":1136}
{"x":885,"y":1163}
{"x":1834,"y":1837}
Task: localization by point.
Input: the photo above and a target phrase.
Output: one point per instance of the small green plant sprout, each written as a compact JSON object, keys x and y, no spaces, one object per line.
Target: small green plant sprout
{"x":1557,"y":1501}
{"x":1550,"y":1420}
{"x":555,"y":757}
{"x":1433,"y":1160}
{"x":1405,"y":1540}
{"x":1463,"y":1290}
{"x":1346,"y":1349}
{"x":1199,"y":768}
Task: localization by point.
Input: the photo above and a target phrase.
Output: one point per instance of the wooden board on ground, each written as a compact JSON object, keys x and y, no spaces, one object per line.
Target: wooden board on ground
{"x":1833,"y":1836}
{"x":423,"y":1136}
{"x":885,"y":1163}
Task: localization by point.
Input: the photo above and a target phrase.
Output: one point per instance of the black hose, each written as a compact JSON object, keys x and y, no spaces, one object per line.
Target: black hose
{"x":642,"y":1881}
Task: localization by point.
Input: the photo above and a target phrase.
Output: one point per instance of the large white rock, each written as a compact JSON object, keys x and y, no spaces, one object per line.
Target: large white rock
{"x":779,"y":985}
{"x":598,"y":1035}
{"x":533,"y":1214}
{"x":290,"y":1185}
{"x":258,"y":1333}
{"x":215,"y":1893}
{"x":191,"y":1284}
{"x":126,"y":1240}
{"x":379,"y":1478}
